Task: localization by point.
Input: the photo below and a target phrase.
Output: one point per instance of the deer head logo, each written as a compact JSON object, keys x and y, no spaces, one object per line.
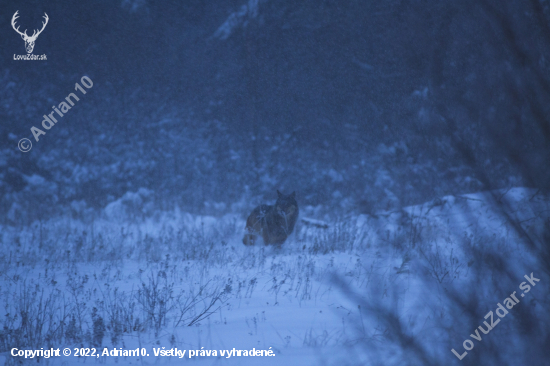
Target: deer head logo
{"x":29,"y":41}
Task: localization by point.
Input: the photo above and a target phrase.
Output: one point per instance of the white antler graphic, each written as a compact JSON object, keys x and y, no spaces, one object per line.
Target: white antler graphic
{"x":29,"y":41}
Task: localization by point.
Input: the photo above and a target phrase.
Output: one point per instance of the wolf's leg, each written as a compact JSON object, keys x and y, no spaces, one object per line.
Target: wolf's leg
{"x":265,"y":236}
{"x":285,"y":228}
{"x":249,"y":239}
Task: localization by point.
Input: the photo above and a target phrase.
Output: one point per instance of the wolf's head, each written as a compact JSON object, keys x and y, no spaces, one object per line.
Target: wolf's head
{"x":286,"y":205}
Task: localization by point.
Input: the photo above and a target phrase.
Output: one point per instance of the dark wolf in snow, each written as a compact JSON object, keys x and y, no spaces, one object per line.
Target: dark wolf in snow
{"x":274,"y":223}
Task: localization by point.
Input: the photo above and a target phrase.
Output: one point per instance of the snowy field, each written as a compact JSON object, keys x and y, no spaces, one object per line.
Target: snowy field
{"x":394,"y":288}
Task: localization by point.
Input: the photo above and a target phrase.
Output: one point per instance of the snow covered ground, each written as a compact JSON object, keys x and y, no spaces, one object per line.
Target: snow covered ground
{"x":396,"y":288}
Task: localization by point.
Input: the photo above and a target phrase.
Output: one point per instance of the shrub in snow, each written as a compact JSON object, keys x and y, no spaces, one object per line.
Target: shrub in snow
{"x":132,"y":205}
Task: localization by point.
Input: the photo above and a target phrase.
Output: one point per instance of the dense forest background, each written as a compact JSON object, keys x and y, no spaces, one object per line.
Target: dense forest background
{"x":212,"y":105}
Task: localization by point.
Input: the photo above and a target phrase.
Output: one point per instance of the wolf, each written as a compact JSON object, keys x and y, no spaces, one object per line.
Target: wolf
{"x":274,"y":223}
